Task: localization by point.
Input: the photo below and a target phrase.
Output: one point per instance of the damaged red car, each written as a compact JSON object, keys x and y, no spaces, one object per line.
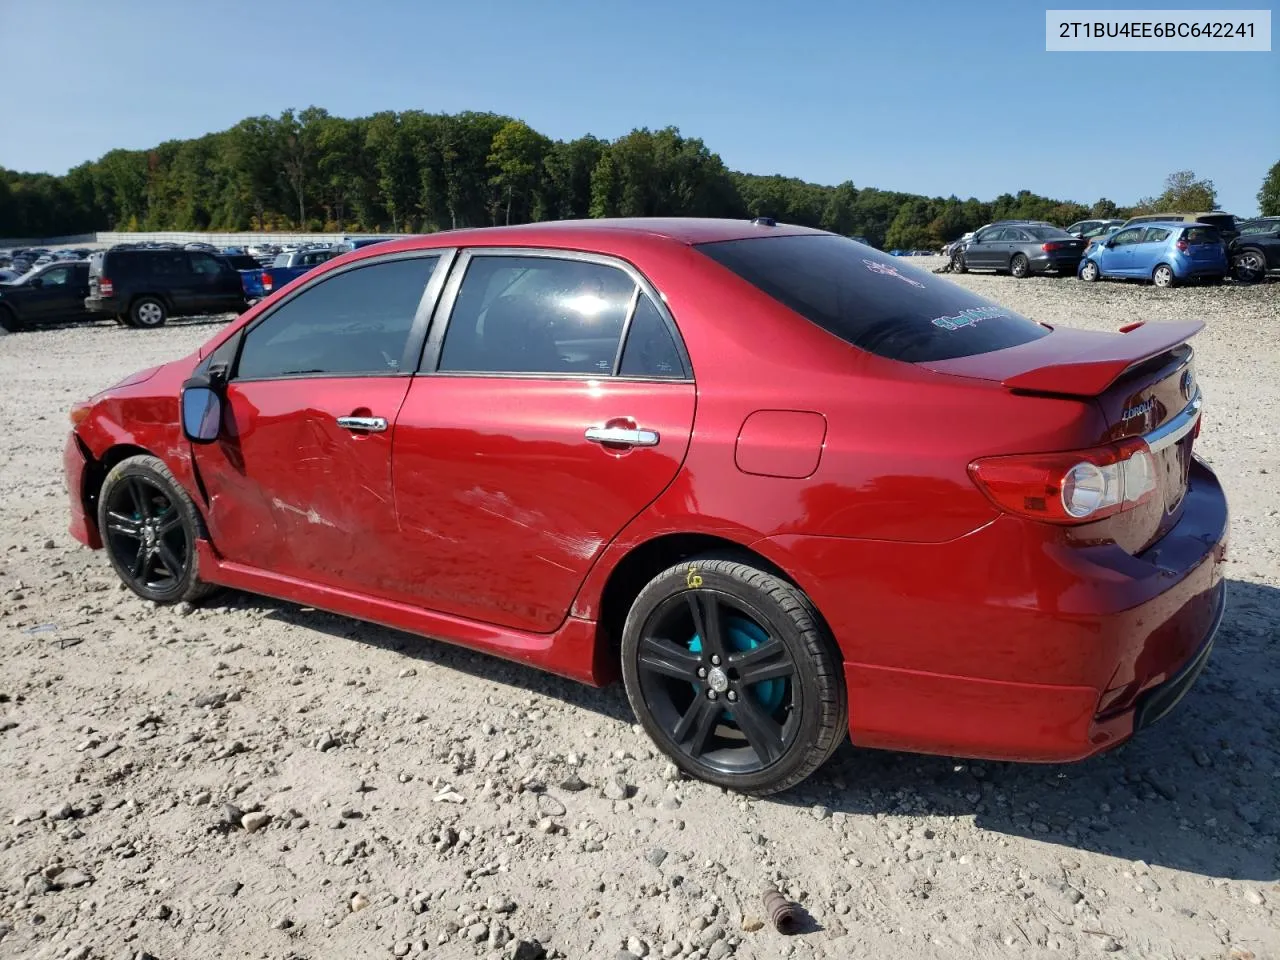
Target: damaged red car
{"x":783,"y":485}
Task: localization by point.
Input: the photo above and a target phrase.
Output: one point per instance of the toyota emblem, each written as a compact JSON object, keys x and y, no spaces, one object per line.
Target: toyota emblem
{"x":1188,"y":384}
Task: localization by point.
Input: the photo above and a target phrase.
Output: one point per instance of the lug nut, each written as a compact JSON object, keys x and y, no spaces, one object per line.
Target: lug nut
{"x":702,"y":671}
{"x":711,"y":694}
{"x":715,"y":660}
{"x":732,"y":696}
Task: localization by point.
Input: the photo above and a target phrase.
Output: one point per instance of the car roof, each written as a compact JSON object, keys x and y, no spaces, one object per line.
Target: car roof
{"x":570,"y":233}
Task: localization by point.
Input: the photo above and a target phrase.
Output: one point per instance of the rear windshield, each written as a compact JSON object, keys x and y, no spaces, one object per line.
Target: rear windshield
{"x":1048,"y":233}
{"x":872,"y":300}
{"x":1201,"y":235}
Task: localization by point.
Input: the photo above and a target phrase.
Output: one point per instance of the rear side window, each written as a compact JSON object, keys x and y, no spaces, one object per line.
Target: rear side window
{"x":871,"y":300}
{"x":1198,"y":235}
{"x":1155,"y":235}
{"x":650,"y":350}
{"x":521,"y":315}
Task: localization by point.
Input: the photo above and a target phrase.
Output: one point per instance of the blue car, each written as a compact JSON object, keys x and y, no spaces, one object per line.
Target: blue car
{"x":1166,"y":253}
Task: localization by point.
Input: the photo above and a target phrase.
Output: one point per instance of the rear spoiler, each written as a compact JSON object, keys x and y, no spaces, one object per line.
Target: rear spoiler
{"x":1091,"y":370}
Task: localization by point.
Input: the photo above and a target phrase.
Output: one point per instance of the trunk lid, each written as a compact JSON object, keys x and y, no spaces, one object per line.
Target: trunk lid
{"x":1144,"y":383}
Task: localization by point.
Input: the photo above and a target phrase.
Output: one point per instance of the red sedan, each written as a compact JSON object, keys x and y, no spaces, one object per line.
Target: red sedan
{"x":785,"y":485}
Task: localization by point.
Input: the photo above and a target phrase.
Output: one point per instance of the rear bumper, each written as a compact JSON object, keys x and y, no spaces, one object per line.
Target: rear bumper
{"x":111,"y":305}
{"x":1010,"y":644}
{"x":1046,"y":263}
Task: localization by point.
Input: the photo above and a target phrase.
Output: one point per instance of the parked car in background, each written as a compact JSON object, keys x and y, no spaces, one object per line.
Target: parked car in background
{"x":1255,"y":253}
{"x":52,"y":292}
{"x":144,"y":286}
{"x":1224,"y":223}
{"x":250,"y":271}
{"x":289,"y":265}
{"x":1088,"y":229}
{"x":347,"y":244}
{"x":8,"y":276}
{"x":1021,"y":250}
{"x":1164,"y":253}
{"x":959,"y":532}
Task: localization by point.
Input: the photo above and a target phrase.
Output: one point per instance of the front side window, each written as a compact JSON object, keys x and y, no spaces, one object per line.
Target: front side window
{"x":537,"y":315}
{"x":57,"y":277}
{"x":871,"y":300}
{"x":355,"y":322}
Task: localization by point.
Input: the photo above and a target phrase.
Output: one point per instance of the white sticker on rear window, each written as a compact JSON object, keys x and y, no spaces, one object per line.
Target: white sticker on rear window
{"x":968,"y":318}
{"x":887,"y":270}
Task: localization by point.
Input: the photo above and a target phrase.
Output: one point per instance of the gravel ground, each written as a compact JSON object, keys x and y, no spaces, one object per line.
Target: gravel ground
{"x":256,"y":779}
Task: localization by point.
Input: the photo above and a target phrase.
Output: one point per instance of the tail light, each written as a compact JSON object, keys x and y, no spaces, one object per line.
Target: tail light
{"x":1078,"y":486}
{"x":105,"y":287}
{"x":267,"y":283}
{"x":1050,"y":247}
{"x":1183,"y":246}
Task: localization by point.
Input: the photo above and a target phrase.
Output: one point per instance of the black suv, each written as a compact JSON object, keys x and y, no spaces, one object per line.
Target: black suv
{"x":144,"y":286}
{"x":52,"y":292}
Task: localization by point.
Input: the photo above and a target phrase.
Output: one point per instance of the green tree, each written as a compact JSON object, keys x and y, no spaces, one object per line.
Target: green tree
{"x":1183,"y":193}
{"x":515,"y":160}
{"x":1269,"y":195}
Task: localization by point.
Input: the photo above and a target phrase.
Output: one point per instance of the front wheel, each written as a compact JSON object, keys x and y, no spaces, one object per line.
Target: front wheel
{"x":1019,"y":266}
{"x":732,"y":674}
{"x":1250,"y":266}
{"x":150,"y":526}
{"x":1090,"y":271}
{"x":9,"y":321}
{"x":957,"y":263}
{"x":1162,"y":276}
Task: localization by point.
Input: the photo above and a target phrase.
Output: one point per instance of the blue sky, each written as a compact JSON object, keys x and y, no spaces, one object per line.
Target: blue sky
{"x":927,"y":96}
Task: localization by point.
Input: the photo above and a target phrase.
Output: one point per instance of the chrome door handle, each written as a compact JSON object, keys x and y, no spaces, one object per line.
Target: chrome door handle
{"x":363,"y":424}
{"x":623,"y":436}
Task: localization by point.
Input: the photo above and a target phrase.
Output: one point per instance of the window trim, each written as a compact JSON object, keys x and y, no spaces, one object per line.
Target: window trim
{"x":417,"y":329}
{"x":429,"y":364}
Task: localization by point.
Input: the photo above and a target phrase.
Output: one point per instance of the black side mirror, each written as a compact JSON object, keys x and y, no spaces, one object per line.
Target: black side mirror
{"x":37,"y":282}
{"x":202,"y":398}
{"x":1109,"y":243}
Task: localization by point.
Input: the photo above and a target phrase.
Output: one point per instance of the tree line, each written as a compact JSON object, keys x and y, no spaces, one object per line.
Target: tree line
{"x":413,"y":172}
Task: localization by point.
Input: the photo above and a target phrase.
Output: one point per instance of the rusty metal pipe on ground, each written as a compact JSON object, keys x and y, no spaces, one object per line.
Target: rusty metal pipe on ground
{"x":784,"y":914}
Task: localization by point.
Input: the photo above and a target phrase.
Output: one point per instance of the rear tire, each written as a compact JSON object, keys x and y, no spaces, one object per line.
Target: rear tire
{"x":762,"y":713}
{"x":1090,"y":272}
{"x":1019,"y":266}
{"x":149,"y":527}
{"x":1162,"y":276}
{"x":148,"y":313}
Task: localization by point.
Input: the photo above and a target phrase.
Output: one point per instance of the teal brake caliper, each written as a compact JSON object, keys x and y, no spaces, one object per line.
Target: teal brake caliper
{"x":742,"y":635}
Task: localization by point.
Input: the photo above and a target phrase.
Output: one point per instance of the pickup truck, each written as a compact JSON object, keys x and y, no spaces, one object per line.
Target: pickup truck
{"x":250,"y":274}
{"x":292,"y":264}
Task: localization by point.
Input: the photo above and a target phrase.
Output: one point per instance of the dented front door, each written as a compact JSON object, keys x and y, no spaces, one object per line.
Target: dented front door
{"x":300,"y":481}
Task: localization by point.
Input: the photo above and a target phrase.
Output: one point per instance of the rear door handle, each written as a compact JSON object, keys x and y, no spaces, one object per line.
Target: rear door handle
{"x":623,"y":436}
{"x":363,"y":424}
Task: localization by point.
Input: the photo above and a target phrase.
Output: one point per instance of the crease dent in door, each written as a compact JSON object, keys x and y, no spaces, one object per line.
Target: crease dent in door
{"x":505,"y":504}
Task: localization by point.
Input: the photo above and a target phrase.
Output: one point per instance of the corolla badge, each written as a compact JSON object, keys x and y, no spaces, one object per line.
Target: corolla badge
{"x":1138,"y":410}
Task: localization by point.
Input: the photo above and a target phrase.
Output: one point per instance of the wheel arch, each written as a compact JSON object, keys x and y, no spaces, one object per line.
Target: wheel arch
{"x":95,"y":474}
{"x":644,"y":561}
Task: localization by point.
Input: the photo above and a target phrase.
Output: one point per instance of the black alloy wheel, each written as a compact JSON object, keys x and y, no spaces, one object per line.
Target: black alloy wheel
{"x":149,"y":527}
{"x":729,"y":671}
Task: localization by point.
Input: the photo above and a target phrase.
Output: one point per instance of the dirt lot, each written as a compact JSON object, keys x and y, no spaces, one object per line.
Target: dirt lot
{"x":421,"y":800}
